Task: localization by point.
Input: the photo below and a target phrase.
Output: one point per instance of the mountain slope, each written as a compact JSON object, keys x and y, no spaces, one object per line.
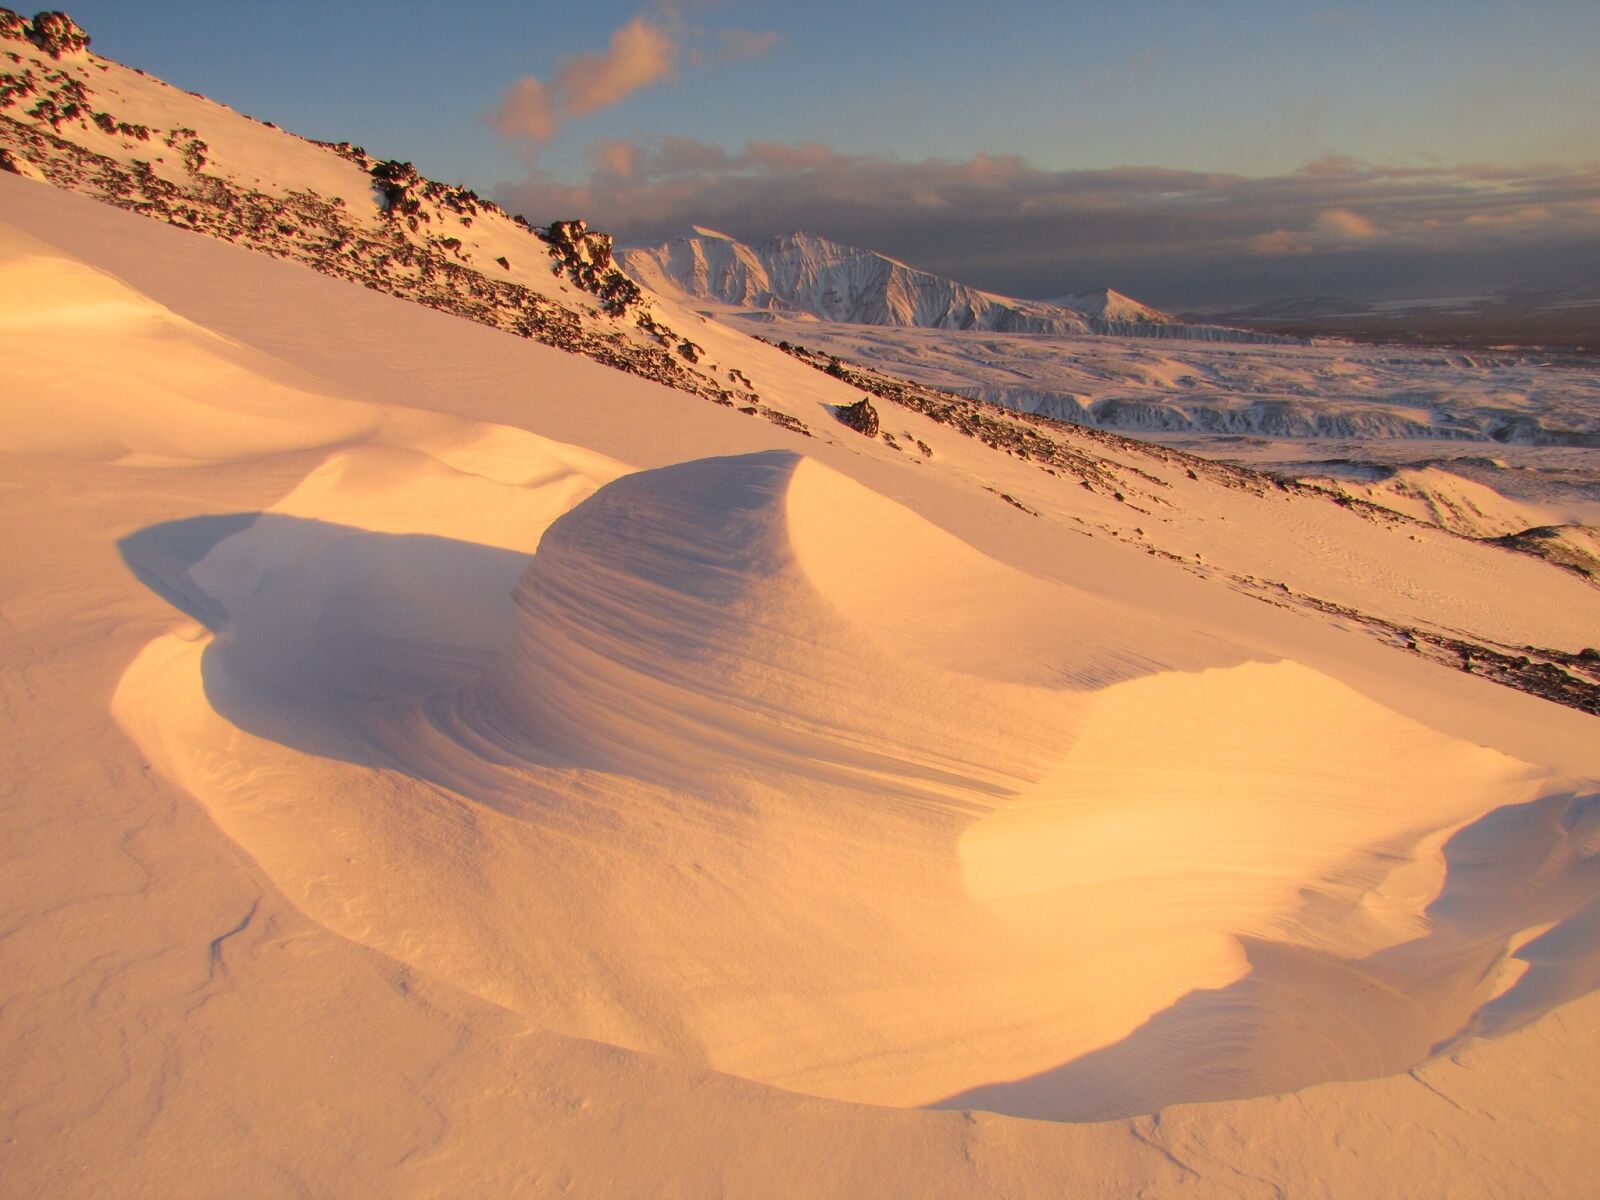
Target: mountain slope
{"x":537,"y":764}
{"x":807,"y":275}
{"x":93,"y":126}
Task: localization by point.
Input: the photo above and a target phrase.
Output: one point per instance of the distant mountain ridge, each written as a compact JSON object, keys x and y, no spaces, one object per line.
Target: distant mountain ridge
{"x":808,"y":274}
{"x":1111,"y":305}
{"x":805,"y":275}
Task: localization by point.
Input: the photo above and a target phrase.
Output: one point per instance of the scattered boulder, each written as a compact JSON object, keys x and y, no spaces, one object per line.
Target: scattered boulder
{"x":57,"y":34}
{"x":395,"y":182}
{"x":860,"y":416}
{"x":17,"y":165}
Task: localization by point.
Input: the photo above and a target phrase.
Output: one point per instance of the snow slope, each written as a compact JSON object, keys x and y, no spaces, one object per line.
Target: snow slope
{"x":447,"y":764}
{"x":536,"y":786}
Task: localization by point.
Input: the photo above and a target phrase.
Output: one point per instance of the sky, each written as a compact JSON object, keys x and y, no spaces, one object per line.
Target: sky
{"x":1187,"y":153}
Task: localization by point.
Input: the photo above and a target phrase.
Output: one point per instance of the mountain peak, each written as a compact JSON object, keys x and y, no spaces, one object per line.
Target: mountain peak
{"x":807,"y":273}
{"x":1111,"y":305}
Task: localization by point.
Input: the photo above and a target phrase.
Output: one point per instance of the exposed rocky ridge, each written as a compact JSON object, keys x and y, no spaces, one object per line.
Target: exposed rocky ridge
{"x":584,"y":256}
{"x":50,"y":118}
{"x":803,"y":273}
{"x":1572,"y":680}
{"x":53,"y":32}
{"x":1575,"y":547}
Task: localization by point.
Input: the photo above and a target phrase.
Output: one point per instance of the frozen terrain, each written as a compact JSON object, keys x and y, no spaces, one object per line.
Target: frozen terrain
{"x":461,"y":743}
{"x":1487,"y":445}
{"x":1332,"y":391}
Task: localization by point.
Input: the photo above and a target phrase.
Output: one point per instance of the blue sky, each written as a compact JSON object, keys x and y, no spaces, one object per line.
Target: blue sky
{"x":1481,"y":119}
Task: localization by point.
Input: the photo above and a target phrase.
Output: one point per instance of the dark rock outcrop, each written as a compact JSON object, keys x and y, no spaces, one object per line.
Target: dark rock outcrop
{"x":584,"y":257}
{"x":860,"y":416}
{"x":53,"y":32}
{"x":14,"y":165}
{"x":57,"y":34}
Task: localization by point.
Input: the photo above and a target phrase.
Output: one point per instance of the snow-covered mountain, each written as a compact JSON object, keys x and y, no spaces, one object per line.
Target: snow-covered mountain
{"x":803,"y":274}
{"x":1112,"y":305}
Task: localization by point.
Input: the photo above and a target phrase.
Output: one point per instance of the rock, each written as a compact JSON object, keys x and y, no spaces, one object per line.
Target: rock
{"x":57,"y":34}
{"x":14,"y":26}
{"x":395,"y":181}
{"x":584,"y":257}
{"x":17,"y":165}
{"x":860,"y":416}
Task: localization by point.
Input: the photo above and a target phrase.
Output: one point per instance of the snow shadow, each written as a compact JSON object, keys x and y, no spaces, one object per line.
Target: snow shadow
{"x":1514,"y":932}
{"x":316,"y":622}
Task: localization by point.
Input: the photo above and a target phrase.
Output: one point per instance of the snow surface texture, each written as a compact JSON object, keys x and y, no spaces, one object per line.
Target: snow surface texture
{"x":735,"y":769}
{"x":450,"y":765}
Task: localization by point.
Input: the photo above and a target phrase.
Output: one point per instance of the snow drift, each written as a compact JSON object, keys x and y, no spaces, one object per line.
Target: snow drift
{"x":970,"y":845}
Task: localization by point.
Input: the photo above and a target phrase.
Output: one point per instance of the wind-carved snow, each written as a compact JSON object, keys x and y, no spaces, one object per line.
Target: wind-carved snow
{"x":965,"y":871}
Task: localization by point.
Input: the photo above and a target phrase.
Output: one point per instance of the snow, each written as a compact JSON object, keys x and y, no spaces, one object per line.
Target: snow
{"x":810,"y":274}
{"x":1114,"y":306}
{"x":1288,"y":393}
{"x":451,"y":766}
{"x":807,"y":275}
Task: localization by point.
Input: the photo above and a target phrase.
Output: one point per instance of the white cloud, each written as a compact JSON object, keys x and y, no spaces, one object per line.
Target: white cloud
{"x":525,"y":111}
{"x":1342,"y":223}
{"x":640,"y":54}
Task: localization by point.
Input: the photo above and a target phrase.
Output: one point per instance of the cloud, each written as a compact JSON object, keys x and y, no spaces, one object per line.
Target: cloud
{"x":736,"y":45}
{"x":1000,"y":222}
{"x":614,"y":157}
{"x":525,"y":111}
{"x":1342,"y":223}
{"x":639,"y":55}
{"x":1279,"y":241}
